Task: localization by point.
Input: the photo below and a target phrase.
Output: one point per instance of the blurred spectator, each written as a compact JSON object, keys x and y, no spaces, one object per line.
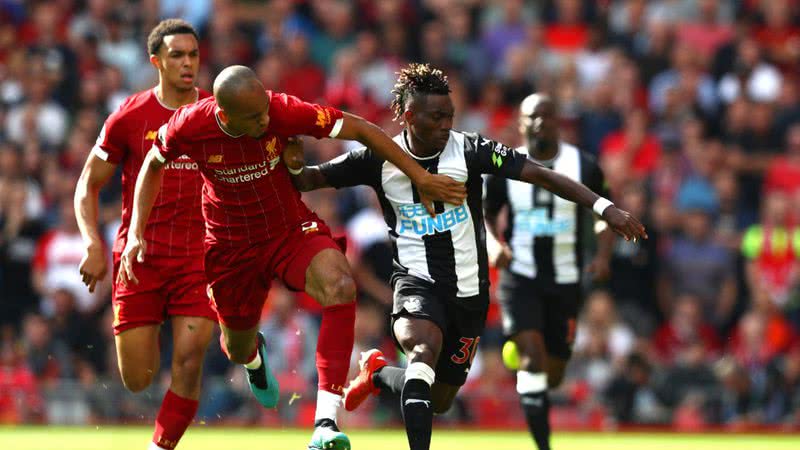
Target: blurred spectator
{"x":772,"y":250}
{"x":631,"y":151}
{"x":599,"y":320}
{"x":49,"y":359}
{"x":20,"y":401}
{"x":58,"y":253}
{"x":632,"y":396}
{"x":695,"y":264}
{"x":685,"y":74}
{"x":751,"y":76}
{"x":38,"y":116}
{"x":783,"y":173}
{"x":685,"y":329}
{"x":293,"y":340}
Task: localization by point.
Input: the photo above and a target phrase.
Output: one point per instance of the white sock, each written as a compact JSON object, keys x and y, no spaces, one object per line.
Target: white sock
{"x":531,"y":383}
{"x":153,"y":446}
{"x":255,"y":363}
{"x":328,"y":405}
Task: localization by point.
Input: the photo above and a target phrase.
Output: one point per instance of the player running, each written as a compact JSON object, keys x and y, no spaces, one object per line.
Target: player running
{"x":258,"y":228}
{"x":172,"y":284}
{"x":441,"y":282}
{"x":542,"y":257}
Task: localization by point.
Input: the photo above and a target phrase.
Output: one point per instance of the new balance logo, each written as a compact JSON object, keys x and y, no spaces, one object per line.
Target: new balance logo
{"x":215,"y":159}
{"x":309,"y":227}
{"x":151,"y":135}
{"x":411,"y":401}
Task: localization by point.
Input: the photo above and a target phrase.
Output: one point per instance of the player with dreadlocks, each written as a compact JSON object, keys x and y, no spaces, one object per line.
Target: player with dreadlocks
{"x":441,"y":282}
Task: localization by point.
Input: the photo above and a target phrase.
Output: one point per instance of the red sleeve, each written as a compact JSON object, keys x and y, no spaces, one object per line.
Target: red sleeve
{"x":111,"y":144}
{"x":168,"y":142}
{"x":290,"y":116}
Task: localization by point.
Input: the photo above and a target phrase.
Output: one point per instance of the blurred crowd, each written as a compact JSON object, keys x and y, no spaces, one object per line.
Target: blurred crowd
{"x":691,"y":106}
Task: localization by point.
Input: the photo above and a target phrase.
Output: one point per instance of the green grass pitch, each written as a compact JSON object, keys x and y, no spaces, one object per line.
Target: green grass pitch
{"x":200,"y":438}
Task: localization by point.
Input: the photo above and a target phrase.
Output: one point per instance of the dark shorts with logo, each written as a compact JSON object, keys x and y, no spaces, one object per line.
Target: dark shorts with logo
{"x":531,"y":304}
{"x":461,"y":325}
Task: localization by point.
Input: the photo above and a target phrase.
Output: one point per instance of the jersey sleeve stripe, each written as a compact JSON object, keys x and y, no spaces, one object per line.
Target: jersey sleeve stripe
{"x":154,"y":150}
{"x":337,"y":127}
{"x":100,"y":153}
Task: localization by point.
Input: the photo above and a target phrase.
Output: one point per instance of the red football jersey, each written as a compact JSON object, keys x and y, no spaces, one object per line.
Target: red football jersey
{"x":248,"y":194}
{"x":175,"y":227}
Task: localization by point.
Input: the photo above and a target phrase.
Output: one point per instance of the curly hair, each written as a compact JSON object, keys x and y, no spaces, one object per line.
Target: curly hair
{"x":417,"y":79}
{"x":168,"y":27}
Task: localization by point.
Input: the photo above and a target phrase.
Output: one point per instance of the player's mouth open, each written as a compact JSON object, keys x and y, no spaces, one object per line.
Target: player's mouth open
{"x":187,"y":77}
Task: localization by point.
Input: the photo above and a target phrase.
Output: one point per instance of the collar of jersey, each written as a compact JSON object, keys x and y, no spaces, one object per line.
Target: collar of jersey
{"x":407,"y":148}
{"x":546,"y":162}
{"x":155,"y":94}
{"x":219,"y":124}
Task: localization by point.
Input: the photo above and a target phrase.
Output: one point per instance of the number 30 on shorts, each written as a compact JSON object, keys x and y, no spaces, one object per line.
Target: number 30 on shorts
{"x":467,"y":351}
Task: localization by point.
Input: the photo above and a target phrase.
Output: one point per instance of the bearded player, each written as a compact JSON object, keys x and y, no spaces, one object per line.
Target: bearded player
{"x":173,"y":282}
{"x":258,"y":228}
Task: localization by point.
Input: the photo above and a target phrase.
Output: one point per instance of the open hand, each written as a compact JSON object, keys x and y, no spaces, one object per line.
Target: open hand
{"x":624,"y":224}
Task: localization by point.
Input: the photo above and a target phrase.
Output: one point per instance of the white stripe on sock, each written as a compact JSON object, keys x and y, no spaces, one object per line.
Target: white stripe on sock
{"x":420,"y":371}
{"x":328,"y":405}
{"x":255,"y":363}
{"x":531,"y":383}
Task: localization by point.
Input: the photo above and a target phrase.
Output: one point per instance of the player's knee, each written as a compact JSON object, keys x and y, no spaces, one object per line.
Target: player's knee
{"x":188,"y":366}
{"x":422,"y":352}
{"x":138,"y":380}
{"x":555,"y":376}
{"x":532,"y":362}
{"x":341,"y":291}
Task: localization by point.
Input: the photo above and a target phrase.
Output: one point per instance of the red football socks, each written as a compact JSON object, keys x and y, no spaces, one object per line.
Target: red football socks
{"x":334,"y":346}
{"x":173,"y":418}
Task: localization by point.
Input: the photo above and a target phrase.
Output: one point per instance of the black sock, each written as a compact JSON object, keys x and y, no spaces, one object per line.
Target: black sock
{"x":391,"y":378}
{"x":327,"y":423}
{"x":417,"y":413}
{"x":536,"y":406}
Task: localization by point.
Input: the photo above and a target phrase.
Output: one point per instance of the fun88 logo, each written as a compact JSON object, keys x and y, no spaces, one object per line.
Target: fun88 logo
{"x":414,"y":219}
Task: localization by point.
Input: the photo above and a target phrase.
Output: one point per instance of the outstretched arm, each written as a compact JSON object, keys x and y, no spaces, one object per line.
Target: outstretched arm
{"x":620,"y":221}
{"x":148,"y":184}
{"x":431,"y":187}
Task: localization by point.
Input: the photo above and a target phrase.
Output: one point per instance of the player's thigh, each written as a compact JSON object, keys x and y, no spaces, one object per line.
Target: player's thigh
{"x":329,"y":279}
{"x":419,"y":319}
{"x":442,"y":396}
{"x":460,"y":342}
{"x":138,"y":355}
{"x":310,"y":260}
{"x":521,"y":304}
{"x":238,"y":284}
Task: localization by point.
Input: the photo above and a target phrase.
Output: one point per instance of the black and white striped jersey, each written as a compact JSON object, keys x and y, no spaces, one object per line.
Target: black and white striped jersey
{"x":448,"y":250}
{"x":547,"y":234}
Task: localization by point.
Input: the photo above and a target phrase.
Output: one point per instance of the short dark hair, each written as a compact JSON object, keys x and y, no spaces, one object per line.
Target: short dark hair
{"x":417,"y":79}
{"x":168,"y":27}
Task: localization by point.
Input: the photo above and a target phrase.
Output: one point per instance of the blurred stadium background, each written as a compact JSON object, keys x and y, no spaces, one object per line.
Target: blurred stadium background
{"x":691,"y":106}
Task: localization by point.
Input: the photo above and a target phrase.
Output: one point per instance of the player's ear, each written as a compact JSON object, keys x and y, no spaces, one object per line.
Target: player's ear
{"x":155,"y":62}
{"x":222,"y":116}
{"x":408,"y":117}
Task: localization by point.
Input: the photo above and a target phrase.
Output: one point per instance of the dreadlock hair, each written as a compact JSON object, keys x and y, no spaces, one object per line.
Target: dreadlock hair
{"x":417,"y":79}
